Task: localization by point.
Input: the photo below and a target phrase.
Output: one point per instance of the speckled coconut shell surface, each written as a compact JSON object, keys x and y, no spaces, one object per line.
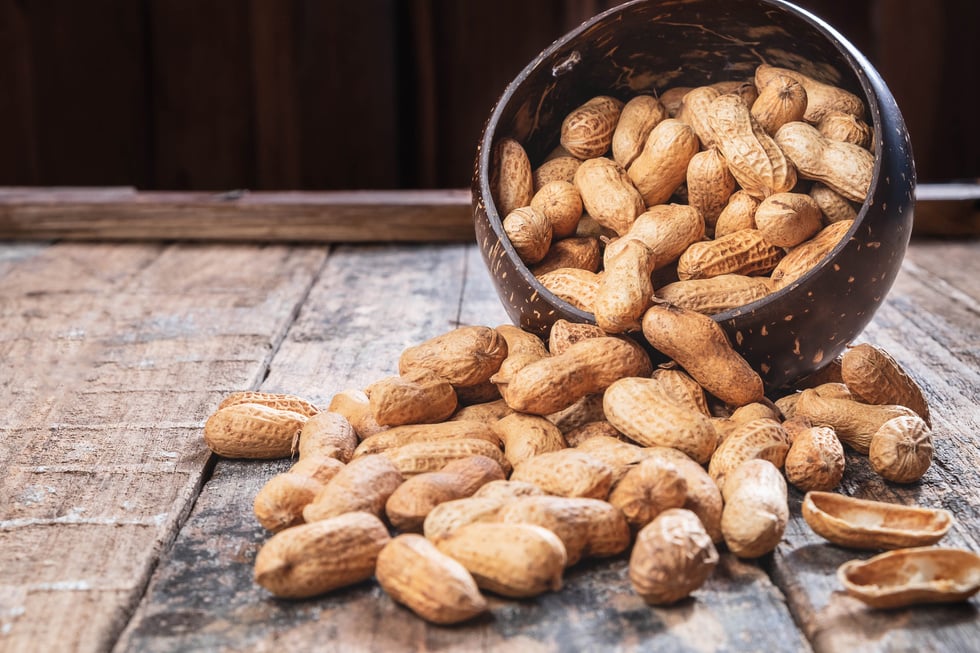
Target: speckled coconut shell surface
{"x":648,"y":46}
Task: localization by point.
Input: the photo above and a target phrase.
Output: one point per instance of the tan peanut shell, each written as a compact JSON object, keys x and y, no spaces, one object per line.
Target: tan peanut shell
{"x":328,"y":434}
{"x":566,"y":473}
{"x":413,"y":500}
{"x":512,"y":180}
{"x":821,"y":98}
{"x":757,"y":163}
{"x":608,"y":194}
{"x":865,"y":524}
{"x":625,"y":288}
{"x":252,"y":431}
{"x":486,"y":413}
{"x":710,"y":184}
{"x":853,"y":422}
{"x":834,"y":206}
{"x":515,"y":560}
{"x":448,"y":517}
{"x":649,"y":488}
{"x":523,"y":348}
{"x":700,"y":346}
{"x":526,"y":436}
{"x":560,"y":202}
{"x":642,"y":410}
{"x":560,"y":168}
{"x":587,"y":131}
{"x":529,"y":231}
{"x":356,"y":407}
{"x":815,"y":460}
{"x":564,"y":334}
{"x":317,"y":466}
{"x":781,"y":100}
{"x":672,"y":98}
{"x":923,"y":575}
{"x":745,"y":252}
{"x":738,"y":213}
{"x":587,"y":367}
{"x":681,"y":388}
{"x":807,"y":255}
{"x":417,"y":397}
{"x":316,"y":558}
{"x":587,"y":527}
{"x":599,"y":428}
{"x":672,"y":557}
{"x":409,"y":433}
{"x":662,"y":164}
{"x":874,"y":377}
{"x":638,"y":118}
{"x":420,"y":457}
{"x":582,"y":252}
{"x":413,"y":572}
{"x":587,"y":409}
{"x":716,"y":294}
{"x":760,"y":438}
{"x":509,"y":489}
{"x":787,"y":219}
{"x":744,"y":89}
{"x":620,"y":456}
{"x":280,"y":502}
{"x":694,"y":112}
{"x":901,"y":450}
{"x":756,"y":508}
{"x":667,"y":229}
{"x":364,"y":485}
{"x":838,"y":126}
{"x":575,"y":286}
{"x":279,"y":401}
{"x":703,"y":497}
{"x":465,"y":356}
{"x":844,"y":167}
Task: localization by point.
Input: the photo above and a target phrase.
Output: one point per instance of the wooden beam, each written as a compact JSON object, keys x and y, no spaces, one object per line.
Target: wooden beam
{"x":335,"y":216}
{"x":326,"y":216}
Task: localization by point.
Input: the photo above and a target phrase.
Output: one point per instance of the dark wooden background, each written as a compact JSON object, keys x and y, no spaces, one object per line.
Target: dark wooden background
{"x":336,"y":94}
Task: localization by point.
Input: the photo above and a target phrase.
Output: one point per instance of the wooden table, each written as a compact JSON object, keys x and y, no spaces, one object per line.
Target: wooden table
{"x":119,"y":530}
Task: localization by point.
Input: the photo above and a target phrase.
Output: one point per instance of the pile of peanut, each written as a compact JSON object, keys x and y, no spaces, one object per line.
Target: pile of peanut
{"x":709,"y":198}
{"x":497,"y":461}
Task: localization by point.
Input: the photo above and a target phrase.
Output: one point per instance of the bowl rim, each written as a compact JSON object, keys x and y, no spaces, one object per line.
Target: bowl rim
{"x":872,"y":87}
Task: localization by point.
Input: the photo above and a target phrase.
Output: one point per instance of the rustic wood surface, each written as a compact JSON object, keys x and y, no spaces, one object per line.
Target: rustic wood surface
{"x":119,"y":532}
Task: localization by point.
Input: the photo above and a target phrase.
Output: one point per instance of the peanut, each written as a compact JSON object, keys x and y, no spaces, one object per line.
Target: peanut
{"x":781,"y":100}
{"x":364,"y":485}
{"x":418,"y":397}
{"x":739,"y":213}
{"x":756,"y":508}
{"x":561,"y":168}
{"x":874,"y":377}
{"x":409,"y":433}
{"x":703,"y":496}
{"x":672,"y":557}
{"x":356,"y":407}
{"x":638,"y":118}
{"x":586,"y":409}
{"x":710,"y":184}
{"x":832,"y":204}
{"x":589,"y":430}
{"x":529,"y":231}
{"x":448,"y":517}
{"x":515,"y":560}
{"x":508,"y":489}
{"x":328,"y":434}
{"x":560,"y":202}
{"x":625,"y":288}
{"x":694,"y":112}
{"x":252,"y":431}
{"x":838,"y":126}
{"x":280,"y":502}
{"x":700,"y":346}
{"x":566,"y":473}
{"x":843,"y":167}
{"x":815,"y":460}
{"x":608,"y":195}
{"x":649,"y":488}
{"x":808,"y":255}
{"x":901,"y":450}
{"x":745,"y":252}
{"x":787,"y":219}
{"x":578,"y":252}
{"x":513,"y":181}
{"x":820,"y":98}
{"x":855,"y":423}
{"x":466,"y":356}
{"x":717,"y":294}
{"x":564,"y":334}
{"x":662,"y":164}
{"x":526,"y":436}
{"x":575,"y":286}
{"x":413,"y":572}
{"x":667,"y":229}
{"x":760,"y":438}
{"x":419,"y":457}
{"x":487,"y":413}
{"x":316,"y":558}
{"x":272,"y":400}
{"x":587,"y":131}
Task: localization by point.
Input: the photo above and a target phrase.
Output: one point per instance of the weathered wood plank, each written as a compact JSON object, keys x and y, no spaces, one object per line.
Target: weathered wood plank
{"x":929,"y":324}
{"x":333,"y":216}
{"x":113,"y":357}
{"x":368,"y":305}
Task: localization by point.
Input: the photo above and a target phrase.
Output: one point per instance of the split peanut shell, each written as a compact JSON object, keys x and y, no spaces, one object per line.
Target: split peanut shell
{"x":864,"y":524}
{"x":912,"y":576}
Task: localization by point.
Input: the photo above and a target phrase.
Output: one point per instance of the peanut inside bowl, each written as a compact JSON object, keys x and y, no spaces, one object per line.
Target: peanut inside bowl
{"x":650,"y":47}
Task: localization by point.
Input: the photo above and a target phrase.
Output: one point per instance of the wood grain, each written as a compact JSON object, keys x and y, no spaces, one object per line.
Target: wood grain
{"x":333,"y":216}
{"x":113,"y":357}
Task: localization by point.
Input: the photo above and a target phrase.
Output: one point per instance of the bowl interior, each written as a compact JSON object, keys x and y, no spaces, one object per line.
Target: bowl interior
{"x":649,"y":46}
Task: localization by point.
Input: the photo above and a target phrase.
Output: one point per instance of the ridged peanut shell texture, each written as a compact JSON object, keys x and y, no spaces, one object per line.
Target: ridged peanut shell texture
{"x":252,"y":431}
{"x":672,"y":557}
{"x":662,"y":164}
{"x":566,"y":473}
{"x":466,"y":356}
{"x":413,"y":572}
{"x":364,"y":485}
{"x":638,"y":118}
{"x":316,"y":558}
{"x":529,"y":232}
{"x":560,"y":202}
{"x":417,"y":397}
{"x":844,"y":167}
{"x":608,"y":194}
{"x":667,"y":229}
{"x":272,"y":400}
{"x":513,"y":182}
{"x":625,"y":288}
{"x":876,"y":378}
{"x":700,"y":346}
{"x":821,"y":98}
{"x":587,"y":131}
{"x":756,"y":508}
{"x":515,"y":560}
{"x":901,"y":450}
